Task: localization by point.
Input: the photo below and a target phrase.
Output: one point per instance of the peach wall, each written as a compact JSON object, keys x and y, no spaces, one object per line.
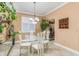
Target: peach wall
{"x":67,"y":37}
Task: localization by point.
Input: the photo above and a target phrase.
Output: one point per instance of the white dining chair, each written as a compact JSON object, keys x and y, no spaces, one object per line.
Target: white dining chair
{"x":24,"y":43}
{"x":46,"y":40}
{"x":44,"y":35}
{"x":38,"y":45}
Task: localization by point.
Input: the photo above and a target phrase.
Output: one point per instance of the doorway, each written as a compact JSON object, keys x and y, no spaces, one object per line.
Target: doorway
{"x":52,"y":30}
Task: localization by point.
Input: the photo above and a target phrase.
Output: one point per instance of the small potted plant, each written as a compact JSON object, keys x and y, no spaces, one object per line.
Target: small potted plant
{"x":44,"y":24}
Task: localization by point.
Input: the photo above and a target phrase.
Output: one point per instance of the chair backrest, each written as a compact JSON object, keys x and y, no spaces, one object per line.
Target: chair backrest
{"x":38,"y":34}
{"x":47,"y":35}
{"x":44,"y":34}
{"x":41,"y":38}
{"x":20,"y":38}
{"x":38,"y":37}
{"x":40,"y":41}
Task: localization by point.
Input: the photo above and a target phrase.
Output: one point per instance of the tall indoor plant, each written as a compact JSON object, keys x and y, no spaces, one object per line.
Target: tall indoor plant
{"x":8,"y":14}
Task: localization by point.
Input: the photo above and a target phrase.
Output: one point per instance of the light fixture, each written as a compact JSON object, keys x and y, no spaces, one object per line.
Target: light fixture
{"x":32,"y":19}
{"x":35,"y":17}
{"x":34,"y":22}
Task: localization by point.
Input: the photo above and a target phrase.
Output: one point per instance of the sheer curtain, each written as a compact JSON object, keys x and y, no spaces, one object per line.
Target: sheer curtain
{"x":27,"y":25}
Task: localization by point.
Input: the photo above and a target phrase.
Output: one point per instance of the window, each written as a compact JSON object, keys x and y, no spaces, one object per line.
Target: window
{"x":27,"y":25}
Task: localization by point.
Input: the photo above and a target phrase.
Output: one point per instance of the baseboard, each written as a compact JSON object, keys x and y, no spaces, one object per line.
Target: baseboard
{"x":67,"y":48}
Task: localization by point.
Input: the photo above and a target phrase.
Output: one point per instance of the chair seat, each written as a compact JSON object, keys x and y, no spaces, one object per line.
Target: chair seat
{"x":46,"y":41}
{"x":37,"y":46}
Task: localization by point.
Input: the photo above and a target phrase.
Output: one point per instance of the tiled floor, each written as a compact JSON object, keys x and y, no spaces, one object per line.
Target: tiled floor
{"x":52,"y":51}
{"x":4,"y":49}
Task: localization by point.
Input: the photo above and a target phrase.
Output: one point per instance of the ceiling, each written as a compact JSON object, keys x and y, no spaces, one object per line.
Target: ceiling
{"x":42,"y":8}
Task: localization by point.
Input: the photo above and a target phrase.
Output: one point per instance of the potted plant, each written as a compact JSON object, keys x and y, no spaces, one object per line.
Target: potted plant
{"x":8,"y":14}
{"x":44,"y":24}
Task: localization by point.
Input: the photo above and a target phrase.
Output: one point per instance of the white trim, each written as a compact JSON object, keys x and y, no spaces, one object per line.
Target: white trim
{"x":28,"y":13}
{"x":57,"y":8}
{"x":67,"y":48}
{"x":18,"y":11}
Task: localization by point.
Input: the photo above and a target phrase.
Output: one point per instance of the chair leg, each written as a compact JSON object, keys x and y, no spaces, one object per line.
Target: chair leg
{"x":28,"y":49}
{"x":42,"y":50}
{"x":32,"y":50}
{"x":20,"y":50}
{"x":47,"y":45}
{"x":38,"y":51}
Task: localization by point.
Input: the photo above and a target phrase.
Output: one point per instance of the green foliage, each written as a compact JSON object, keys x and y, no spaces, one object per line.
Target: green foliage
{"x":14,"y":34}
{"x":1,"y":28}
{"x":6,"y":12}
{"x":44,"y":24}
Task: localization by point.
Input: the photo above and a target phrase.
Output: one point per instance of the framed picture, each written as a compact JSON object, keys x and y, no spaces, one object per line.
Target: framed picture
{"x":64,"y":23}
